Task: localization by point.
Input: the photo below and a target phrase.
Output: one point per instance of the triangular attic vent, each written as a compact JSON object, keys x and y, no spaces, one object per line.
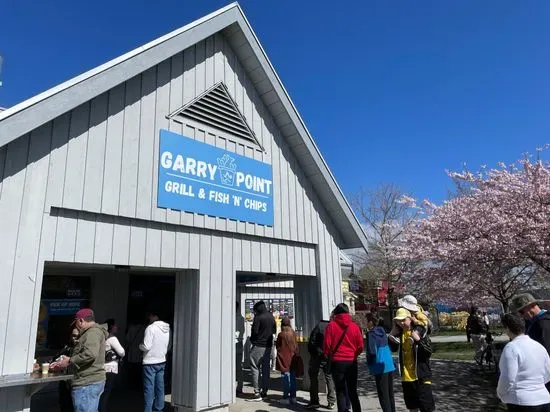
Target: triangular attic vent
{"x":216,"y":108}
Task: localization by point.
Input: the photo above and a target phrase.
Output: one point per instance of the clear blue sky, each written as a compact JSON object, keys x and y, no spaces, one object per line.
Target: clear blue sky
{"x":392,"y":91}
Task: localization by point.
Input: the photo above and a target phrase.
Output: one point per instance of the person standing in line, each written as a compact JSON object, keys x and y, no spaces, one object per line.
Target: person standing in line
{"x":287,"y":348}
{"x":114,"y":352}
{"x":261,"y":339}
{"x":343,"y":343}
{"x":156,"y":343}
{"x":317,"y":362}
{"x":239,"y":349}
{"x":86,"y":362}
{"x":414,"y":360}
{"x":524,"y":370}
{"x":380,"y":363}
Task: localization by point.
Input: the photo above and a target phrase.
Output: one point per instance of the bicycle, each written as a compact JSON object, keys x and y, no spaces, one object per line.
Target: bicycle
{"x":490,"y":354}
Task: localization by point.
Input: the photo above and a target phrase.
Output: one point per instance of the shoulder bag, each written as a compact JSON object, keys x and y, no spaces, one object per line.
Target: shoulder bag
{"x":328,"y":367}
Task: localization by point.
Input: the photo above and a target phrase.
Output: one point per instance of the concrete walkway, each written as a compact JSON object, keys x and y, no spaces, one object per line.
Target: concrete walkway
{"x":462,"y":338}
{"x":458,"y":386}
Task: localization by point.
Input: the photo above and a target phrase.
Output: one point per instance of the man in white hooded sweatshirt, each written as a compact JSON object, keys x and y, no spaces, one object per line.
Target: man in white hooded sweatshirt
{"x":155,"y":346}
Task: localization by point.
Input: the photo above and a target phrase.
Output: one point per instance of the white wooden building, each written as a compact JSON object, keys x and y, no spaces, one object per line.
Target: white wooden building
{"x":80,"y":176}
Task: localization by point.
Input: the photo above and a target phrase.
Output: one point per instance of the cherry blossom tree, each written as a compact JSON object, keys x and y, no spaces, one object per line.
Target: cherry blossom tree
{"x":489,"y":242}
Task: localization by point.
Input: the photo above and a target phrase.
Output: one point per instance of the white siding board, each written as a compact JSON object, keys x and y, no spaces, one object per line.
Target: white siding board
{"x":274,"y":257}
{"x":291,"y":269}
{"x":104,"y":232}
{"x":283,"y":262}
{"x":76,"y":157}
{"x":161,"y":122}
{"x":95,"y":153}
{"x":246,"y":262}
{"x":285,"y":201}
{"x":182,"y":249}
{"x":227,"y":329}
{"x":47,"y":241}
{"x":146,"y":144}
{"x":130,"y":148}
{"x":237,"y":254}
{"x":3,"y":152}
{"x":65,"y":238}
{"x":265,"y":258}
{"x":168,"y":250}
{"x":138,"y":245}
{"x":205,"y":312}
{"x":215,"y":340}
{"x":121,"y":242}
{"x":58,"y":161}
{"x":153,"y":246}
{"x":113,"y":151}
{"x":256,"y":255}
{"x":194,"y":251}
{"x":85,"y":238}
{"x":25,"y":268}
{"x":292,"y":202}
{"x":176,"y":101}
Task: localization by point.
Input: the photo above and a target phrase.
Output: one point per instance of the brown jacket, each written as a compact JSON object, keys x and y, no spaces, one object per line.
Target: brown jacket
{"x":286,"y":348}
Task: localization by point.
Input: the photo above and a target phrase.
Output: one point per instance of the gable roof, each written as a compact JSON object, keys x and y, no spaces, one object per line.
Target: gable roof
{"x":231,"y":21}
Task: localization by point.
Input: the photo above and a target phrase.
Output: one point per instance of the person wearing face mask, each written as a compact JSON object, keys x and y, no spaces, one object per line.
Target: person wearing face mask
{"x":414,"y":362}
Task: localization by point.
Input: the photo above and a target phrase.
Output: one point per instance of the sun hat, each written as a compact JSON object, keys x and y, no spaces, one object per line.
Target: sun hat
{"x":521,"y":301}
{"x":402,"y":314}
{"x":408,"y":302}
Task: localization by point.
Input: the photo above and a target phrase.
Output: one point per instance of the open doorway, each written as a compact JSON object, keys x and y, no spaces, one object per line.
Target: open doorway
{"x":123,"y":294}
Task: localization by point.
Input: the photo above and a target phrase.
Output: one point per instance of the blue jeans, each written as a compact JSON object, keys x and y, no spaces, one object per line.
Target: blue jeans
{"x":86,"y":398}
{"x":289,"y":384}
{"x":153,"y":387}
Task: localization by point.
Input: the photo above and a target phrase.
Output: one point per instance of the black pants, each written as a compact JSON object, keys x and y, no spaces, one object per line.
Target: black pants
{"x":344,"y":375}
{"x":316,"y":364}
{"x":384,"y":387}
{"x":104,"y":399}
{"x":519,"y":408}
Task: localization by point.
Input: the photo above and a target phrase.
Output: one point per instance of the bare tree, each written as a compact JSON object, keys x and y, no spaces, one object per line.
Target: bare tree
{"x":385,"y":215}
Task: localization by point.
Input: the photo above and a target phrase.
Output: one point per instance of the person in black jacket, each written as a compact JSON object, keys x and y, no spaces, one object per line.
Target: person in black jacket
{"x":317,"y":362}
{"x":537,"y":320}
{"x":414,"y":362}
{"x":261,"y":339}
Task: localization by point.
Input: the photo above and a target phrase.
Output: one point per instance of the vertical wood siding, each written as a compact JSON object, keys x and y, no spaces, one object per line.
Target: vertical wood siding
{"x":97,"y":167}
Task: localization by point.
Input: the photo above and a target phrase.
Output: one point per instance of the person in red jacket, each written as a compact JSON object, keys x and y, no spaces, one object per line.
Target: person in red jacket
{"x":344,"y":343}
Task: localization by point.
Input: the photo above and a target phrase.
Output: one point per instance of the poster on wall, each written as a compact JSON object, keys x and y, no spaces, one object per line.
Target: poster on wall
{"x":200,"y":178}
{"x":278,"y":307}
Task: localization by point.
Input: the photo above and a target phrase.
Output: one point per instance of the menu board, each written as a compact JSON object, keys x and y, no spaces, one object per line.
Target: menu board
{"x":282,"y":307}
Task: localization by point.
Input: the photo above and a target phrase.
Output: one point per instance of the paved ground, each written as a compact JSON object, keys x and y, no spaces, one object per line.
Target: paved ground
{"x":462,"y":338}
{"x":458,"y":386}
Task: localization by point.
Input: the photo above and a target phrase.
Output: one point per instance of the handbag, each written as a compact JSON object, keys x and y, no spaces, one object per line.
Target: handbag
{"x":328,"y":368}
{"x":297,"y":365}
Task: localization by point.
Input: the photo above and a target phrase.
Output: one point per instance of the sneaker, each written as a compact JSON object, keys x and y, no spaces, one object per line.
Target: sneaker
{"x":284,"y":401}
{"x":293,"y":400}
{"x":313,"y":405}
{"x":331,"y":405}
{"x":256,"y":398}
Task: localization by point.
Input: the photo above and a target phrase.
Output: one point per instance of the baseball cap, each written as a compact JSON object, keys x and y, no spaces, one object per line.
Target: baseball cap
{"x":84,"y":313}
{"x":402,"y":314}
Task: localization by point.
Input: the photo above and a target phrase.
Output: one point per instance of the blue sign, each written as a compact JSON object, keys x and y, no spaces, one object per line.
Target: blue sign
{"x":200,"y":178}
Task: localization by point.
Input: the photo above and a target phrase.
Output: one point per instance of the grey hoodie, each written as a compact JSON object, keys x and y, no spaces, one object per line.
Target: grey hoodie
{"x":156,"y":343}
